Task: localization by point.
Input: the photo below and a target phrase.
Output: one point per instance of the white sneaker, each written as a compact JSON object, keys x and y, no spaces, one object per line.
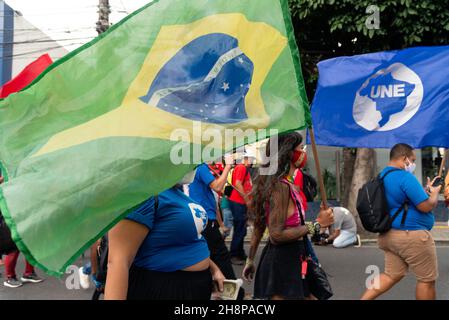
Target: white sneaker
{"x":84,"y":279}
{"x":12,"y":283}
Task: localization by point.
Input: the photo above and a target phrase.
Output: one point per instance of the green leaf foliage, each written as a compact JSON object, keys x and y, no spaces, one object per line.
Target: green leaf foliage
{"x":328,"y":28}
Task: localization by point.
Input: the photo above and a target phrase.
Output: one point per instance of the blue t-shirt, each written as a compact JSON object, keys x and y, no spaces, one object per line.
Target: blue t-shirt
{"x":399,"y":186}
{"x":174,"y":241}
{"x":200,"y":191}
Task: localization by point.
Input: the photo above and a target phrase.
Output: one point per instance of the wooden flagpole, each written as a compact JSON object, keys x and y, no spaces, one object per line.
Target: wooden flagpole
{"x":318,"y":169}
{"x":443,"y":163}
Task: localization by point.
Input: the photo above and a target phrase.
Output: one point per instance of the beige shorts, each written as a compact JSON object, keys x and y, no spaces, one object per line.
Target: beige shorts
{"x":414,"y":249}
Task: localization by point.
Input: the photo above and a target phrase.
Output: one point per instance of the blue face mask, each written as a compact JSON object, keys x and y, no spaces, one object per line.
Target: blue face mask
{"x":411,"y":167}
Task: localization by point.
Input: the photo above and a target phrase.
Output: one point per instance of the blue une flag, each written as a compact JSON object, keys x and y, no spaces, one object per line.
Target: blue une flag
{"x":379,"y":99}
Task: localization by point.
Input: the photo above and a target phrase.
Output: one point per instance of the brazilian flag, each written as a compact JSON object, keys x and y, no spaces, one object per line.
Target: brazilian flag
{"x":92,"y":137}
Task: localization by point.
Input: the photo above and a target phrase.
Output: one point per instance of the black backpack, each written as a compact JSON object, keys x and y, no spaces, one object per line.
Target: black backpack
{"x":229,"y":188}
{"x":309,"y":187}
{"x":228,"y":191}
{"x":102,"y":265}
{"x":373,"y":208}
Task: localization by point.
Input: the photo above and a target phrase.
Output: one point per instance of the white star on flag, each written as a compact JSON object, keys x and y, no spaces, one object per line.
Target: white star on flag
{"x":225,"y":86}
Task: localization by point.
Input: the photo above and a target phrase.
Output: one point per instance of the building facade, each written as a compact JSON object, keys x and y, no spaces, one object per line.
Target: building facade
{"x":22,"y":43}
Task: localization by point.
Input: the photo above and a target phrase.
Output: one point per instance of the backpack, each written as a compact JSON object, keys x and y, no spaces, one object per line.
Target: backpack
{"x":7,"y":245}
{"x":102,"y":259}
{"x":373,"y":208}
{"x":230,"y":187}
{"x":102,"y":265}
{"x":228,"y":190}
{"x":309,"y":187}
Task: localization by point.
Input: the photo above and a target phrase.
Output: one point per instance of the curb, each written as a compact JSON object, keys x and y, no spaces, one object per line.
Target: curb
{"x":364,"y":241}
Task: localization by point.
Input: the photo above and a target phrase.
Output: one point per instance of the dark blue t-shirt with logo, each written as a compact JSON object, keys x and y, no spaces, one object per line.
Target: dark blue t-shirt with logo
{"x":399,"y":186}
{"x":174,"y":241}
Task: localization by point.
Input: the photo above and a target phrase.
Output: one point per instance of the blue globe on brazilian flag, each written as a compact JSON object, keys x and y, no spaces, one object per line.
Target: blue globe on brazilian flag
{"x":90,"y":138}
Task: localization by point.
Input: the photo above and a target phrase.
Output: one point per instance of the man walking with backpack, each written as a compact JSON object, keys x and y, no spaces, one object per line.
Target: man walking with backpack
{"x":406,"y":239}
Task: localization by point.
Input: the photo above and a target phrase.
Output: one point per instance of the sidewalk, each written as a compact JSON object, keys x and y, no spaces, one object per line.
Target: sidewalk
{"x":440,"y":233}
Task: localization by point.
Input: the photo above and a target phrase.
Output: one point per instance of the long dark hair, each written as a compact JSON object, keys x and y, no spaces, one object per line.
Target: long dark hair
{"x":264,"y":184}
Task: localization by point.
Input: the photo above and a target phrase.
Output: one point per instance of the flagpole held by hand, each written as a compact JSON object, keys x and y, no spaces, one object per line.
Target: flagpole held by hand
{"x":443,"y":163}
{"x":318,"y":169}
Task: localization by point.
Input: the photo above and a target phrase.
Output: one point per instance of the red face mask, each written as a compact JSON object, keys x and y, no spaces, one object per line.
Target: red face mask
{"x":297,"y":155}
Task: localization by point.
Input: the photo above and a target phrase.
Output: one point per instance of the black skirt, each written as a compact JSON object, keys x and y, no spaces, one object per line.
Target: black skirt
{"x":279,"y":272}
{"x":179,"y":285}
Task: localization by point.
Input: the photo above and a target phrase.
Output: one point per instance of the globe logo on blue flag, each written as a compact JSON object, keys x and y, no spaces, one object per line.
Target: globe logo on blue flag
{"x":388,"y":99}
{"x":207,"y":80}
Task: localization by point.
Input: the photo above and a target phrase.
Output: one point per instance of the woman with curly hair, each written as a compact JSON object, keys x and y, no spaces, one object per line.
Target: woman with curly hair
{"x":277,"y":206}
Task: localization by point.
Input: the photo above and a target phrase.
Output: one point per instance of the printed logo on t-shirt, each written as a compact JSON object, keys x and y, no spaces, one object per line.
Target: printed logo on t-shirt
{"x":199,"y":217}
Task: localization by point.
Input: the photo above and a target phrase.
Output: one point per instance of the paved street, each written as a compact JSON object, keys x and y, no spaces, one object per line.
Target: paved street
{"x":345,"y":266}
{"x":346,"y":269}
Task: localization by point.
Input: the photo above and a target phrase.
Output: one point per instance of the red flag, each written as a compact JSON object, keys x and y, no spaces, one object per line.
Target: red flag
{"x":24,"y":78}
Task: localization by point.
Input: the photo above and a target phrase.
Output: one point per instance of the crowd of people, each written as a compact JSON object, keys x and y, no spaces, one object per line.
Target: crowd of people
{"x":173,"y":245}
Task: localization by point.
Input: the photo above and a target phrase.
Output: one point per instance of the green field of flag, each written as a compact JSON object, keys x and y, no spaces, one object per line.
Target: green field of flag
{"x":90,"y":138}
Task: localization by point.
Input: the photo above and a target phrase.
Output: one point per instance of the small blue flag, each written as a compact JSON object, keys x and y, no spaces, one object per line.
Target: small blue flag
{"x":379,"y":99}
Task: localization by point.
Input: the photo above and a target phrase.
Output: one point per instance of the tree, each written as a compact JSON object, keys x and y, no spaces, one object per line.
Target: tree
{"x":349,"y":156}
{"x":363,"y":172}
{"x":329,"y":28}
